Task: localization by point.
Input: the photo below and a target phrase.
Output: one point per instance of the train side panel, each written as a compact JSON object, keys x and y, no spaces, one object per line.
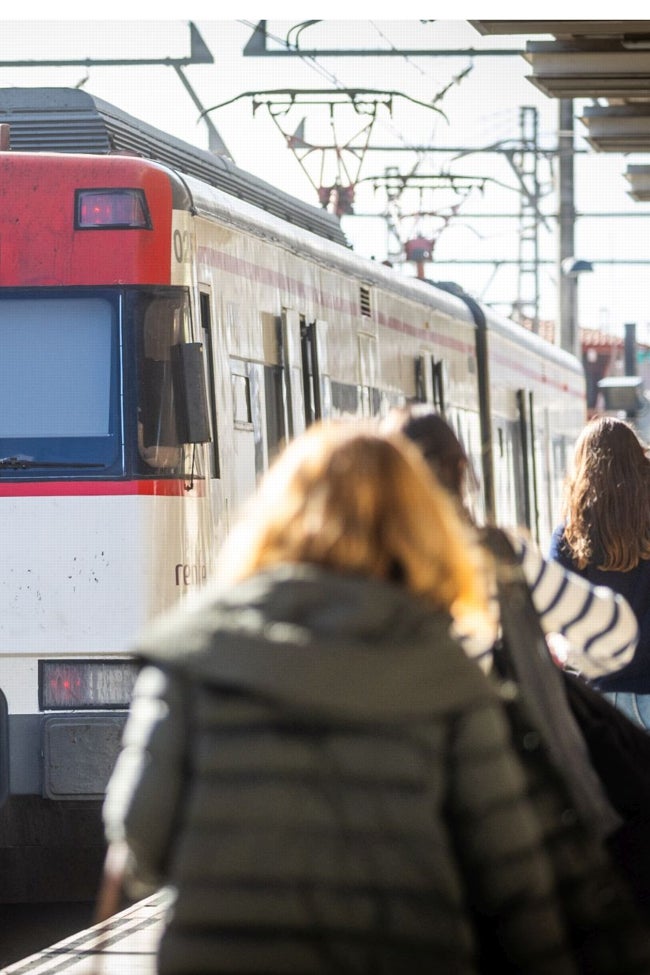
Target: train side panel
{"x":538,"y":409}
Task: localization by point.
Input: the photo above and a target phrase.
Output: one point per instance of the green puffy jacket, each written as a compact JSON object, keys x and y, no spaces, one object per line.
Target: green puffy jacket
{"x":331,"y":786}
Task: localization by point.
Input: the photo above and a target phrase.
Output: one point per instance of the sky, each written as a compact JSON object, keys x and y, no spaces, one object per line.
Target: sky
{"x":475,"y":225}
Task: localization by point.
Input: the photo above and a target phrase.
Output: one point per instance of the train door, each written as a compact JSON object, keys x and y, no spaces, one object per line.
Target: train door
{"x":439,"y":385}
{"x":529,"y":461}
{"x":219,"y":452}
{"x":247,"y":435}
{"x":275,"y":409}
{"x":315,"y":370}
{"x":368,"y":398}
{"x":560,"y":460}
{"x":430,"y":381}
{"x":508,"y":481}
{"x":545,"y":493}
{"x":269,"y":380}
{"x":292,"y":362}
{"x":467,"y":427}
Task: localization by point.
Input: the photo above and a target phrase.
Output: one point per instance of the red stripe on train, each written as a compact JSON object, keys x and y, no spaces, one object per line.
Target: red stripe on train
{"x":171,"y":488}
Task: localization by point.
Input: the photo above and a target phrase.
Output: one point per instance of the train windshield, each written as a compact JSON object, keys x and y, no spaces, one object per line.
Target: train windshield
{"x":59,"y":384}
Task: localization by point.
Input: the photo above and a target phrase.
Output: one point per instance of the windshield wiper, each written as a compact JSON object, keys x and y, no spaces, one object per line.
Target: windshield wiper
{"x":27,"y":463}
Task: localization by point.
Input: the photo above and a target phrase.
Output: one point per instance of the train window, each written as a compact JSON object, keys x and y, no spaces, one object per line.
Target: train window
{"x":315,"y":370}
{"x":439,"y":385}
{"x":420,"y":393}
{"x":528,"y":498}
{"x":310,"y":393}
{"x":241,"y":400}
{"x":164,"y":321}
{"x":431,"y":381}
{"x":247,"y":383}
{"x":345,"y":400}
{"x":57,"y":355}
{"x":256,"y":388}
{"x":424,"y":378}
{"x":170,"y":376}
{"x":275,"y":409}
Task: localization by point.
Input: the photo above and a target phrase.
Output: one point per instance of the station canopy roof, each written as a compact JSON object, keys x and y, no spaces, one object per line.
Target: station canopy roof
{"x":604,"y":60}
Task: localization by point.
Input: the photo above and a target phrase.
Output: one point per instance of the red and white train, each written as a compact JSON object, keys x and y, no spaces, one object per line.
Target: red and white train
{"x":166,"y":323}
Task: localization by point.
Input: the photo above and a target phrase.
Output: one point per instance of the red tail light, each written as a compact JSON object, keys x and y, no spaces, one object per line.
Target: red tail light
{"x":118,"y":208}
{"x":70,"y":684}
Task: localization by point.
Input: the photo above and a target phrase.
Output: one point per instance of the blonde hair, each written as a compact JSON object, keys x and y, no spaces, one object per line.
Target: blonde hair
{"x":346,"y":497}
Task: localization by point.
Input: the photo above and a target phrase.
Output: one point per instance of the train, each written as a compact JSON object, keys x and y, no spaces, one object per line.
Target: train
{"x":167,"y":323}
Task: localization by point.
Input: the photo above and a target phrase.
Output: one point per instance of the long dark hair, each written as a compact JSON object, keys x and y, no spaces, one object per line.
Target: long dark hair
{"x":437,"y":442}
{"x":607,"y":501}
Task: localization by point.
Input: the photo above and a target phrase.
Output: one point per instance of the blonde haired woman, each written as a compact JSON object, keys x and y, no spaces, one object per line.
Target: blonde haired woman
{"x":312,"y":763}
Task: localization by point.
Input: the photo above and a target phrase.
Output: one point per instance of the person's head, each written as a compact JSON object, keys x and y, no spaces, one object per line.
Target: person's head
{"x":347,"y":497}
{"x":607,"y":502}
{"x":436,"y":441}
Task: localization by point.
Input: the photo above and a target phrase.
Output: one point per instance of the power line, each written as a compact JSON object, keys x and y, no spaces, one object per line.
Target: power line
{"x":256,"y":48}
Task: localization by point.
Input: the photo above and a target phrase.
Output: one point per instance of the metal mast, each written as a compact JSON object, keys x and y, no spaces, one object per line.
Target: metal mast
{"x":526,"y":162}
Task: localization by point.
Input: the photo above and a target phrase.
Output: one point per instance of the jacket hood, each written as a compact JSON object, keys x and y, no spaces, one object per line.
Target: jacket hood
{"x":323,"y":643}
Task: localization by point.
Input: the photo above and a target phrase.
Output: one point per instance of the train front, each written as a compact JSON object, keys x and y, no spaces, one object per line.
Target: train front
{"x":104,"y":506}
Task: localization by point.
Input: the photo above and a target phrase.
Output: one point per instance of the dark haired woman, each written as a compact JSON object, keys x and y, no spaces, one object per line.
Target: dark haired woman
{"x":598,"y":628}
{"x":606,"y":538}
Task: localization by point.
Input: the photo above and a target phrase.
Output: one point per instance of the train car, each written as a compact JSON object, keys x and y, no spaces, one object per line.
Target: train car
{"x":167,"y":322}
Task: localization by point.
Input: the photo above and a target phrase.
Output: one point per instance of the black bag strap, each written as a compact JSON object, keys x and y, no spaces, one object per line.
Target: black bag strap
{"x":523,"y":657}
